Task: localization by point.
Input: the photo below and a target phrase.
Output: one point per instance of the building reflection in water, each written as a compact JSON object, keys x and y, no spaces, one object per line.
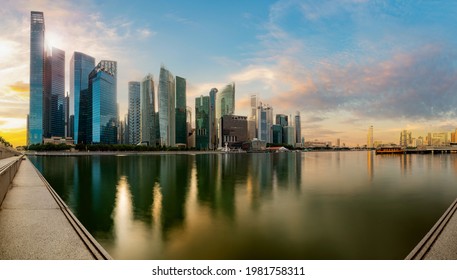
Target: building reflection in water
{"x":370,"y":167}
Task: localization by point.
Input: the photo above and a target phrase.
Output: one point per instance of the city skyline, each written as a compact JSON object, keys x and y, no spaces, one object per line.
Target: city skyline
{"x":344,"y":65}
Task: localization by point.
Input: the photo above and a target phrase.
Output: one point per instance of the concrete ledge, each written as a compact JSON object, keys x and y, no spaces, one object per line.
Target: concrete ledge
{"x":8,"y":169}
{"x":441,"y":241}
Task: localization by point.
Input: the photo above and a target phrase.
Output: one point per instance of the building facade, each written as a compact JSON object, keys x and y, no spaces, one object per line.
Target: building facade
{"x":180,"y":109}
{"x":37,"y":58}
{"x":212,"y":119}
{"x":80,"y":67}
{"x":297,"y":129}
{"x":134,"y":113}
{"x":202,"y":123}
{"x":148,"y":128}
{"x":98,"y":106}
{"x":54,"y":101}
{"x":370,"y":138}
{"x":166,"y":96}
{"x":234,"y":130}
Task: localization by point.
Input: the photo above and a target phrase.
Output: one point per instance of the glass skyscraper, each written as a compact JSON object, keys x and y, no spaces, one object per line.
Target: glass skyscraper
{"x":134,"y":113}
{"x":297,"y":128}
{"x":212,"y":118}
{"x":80,"y":67}
{"x":166,"y":97}
{"x":225,"y":101}
{"x":54,"y":101}
{"x":181,"y":125}
{"x":148,"y":128}
{"x":98,"y":106}
{"x":202,"y":122}
{"x":37,"y":58}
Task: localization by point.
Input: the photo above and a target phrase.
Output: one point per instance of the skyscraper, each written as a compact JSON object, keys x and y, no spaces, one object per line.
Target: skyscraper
{"x":134,"y":113}
{"x":225,"y":105}
{"x":370,"y":137}
{"x":80,"y":67}
{"x":212,"y":119}
{"x":167,"y":107}
{"x":148,"y":128}
{"x":297,"y":128}
{"x":202,"y":122}
{"x":181,"y":125}
{"x":54,"y":100}
{"x":37,"y":58}
{"x":225,"y":101}
{"x":98,"y":106}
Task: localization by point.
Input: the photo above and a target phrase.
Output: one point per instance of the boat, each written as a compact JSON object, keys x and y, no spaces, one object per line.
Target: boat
{"x":390,"y":150}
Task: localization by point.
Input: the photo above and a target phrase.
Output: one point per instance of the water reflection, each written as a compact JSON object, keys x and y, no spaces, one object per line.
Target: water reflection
{"x":255,"y":206}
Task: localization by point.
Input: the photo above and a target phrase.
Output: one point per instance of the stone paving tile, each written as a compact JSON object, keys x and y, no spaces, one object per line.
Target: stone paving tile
{"x":445,"y":246}
{"x":29,"y":198}
{"x":39,"y":235}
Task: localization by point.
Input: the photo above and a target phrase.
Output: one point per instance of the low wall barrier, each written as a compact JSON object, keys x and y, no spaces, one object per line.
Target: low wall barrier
{"x":7,"y":174}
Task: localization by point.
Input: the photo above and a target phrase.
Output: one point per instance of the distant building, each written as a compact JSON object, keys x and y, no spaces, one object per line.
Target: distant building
{"x":202,"y":123}
{"x":180,"y":110}
{"x":252,"y":121}
{"x":37,"y":59}
{"x":134,"y":113}
{"x":406,"y":138}
{"x":234,"y":130}
{"x":225,"y":106}
{"x":54,"y":101}
{"x":213,"y":121}
{"x":277,"y":134}
{"x":297,"y":129}
{"x":148,"y":126}
{"x":80,"y":67}
{"x":190,"y":130}
{"x":166,"y":96}
{"x":98,"y":106}
{"x":289,"y":135}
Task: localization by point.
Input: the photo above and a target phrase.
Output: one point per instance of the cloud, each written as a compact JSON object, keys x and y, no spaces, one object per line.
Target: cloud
{"x":19,"y":87}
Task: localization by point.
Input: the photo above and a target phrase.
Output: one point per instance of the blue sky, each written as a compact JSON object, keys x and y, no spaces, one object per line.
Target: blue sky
{"x":344,"y":64}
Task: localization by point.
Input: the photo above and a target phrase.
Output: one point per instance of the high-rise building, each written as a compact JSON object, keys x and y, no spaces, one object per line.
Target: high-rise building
{"x":282,"y":120}
{"x":148,"y":128}
{"x":202,"y":123}
{"x":405,"y":138}
{"x":80,"y":67}
{"x":225,"y":101}
{"x":212,"y":119}
{"x":180,"y":109}
{"x":297,"y":128}
{"x":54,"y":99}
{"x":277,"y":134}
{"x":134,"y":113}
{"x":167,"y":115}
{"x":370,"y":137}
{"x":252,"y":121}
{"x":37,"y":59}
{"x":289,"y":135}
{"x":98,"y":118}
{"x":234,"y":130}
{"x":190,"y":131}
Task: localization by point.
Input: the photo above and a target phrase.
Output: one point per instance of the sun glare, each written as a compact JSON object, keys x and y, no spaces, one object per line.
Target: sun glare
{"x":53,"y":40}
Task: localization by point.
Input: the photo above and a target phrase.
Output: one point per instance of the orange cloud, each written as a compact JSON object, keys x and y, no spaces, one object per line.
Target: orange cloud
{"x":20,"y":87}
{"x":15,"y":137}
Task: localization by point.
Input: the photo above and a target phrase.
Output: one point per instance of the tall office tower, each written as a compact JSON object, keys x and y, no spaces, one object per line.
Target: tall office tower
{"x":37,"y":59}
{"x":190,"y":132}
{"x":134,"y":113}
{"x":406,"y":138}
{"x":54,"y":97}
{"x":98,"y":106}
{"x":277,"y":134}
{"x":262,"y":123}
{"x":289,"y":135}
{"x":252,"y":121}
{"x":167,"y":107}
{"x":148,"y":128}
{"x":180,"y":109}
{"x":297,"y":128}
{"x":225,"y":106}
{"x":370,"y":137}
{"x":212,"y":119}
{"x":225,"y":101}
{"x":269,"y":118}
{"x":202,"y":123}
{"x":282,"y":120}
{"x":234,"y":130}
{"x":67,"y":116}
{"x":80,"y":67}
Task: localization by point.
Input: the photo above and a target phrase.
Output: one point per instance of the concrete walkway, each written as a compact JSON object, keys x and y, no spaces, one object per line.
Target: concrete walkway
{"x":36,"y":224}
{"x":440,"y":243}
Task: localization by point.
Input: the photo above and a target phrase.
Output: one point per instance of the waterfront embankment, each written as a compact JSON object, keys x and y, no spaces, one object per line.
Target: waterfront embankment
{"x":36,"y":224}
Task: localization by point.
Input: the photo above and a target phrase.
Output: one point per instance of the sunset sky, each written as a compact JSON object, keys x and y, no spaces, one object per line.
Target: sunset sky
{"x":344,"y":64}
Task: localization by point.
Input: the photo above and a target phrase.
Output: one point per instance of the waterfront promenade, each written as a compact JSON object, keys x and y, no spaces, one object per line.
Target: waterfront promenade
{"x":36,"y":224}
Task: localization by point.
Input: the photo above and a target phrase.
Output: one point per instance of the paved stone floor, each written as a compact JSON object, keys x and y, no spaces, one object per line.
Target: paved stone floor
{"x":32,"y":225}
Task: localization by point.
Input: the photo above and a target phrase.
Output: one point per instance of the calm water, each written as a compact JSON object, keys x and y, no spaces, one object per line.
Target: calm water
{"x":315,"y":205}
